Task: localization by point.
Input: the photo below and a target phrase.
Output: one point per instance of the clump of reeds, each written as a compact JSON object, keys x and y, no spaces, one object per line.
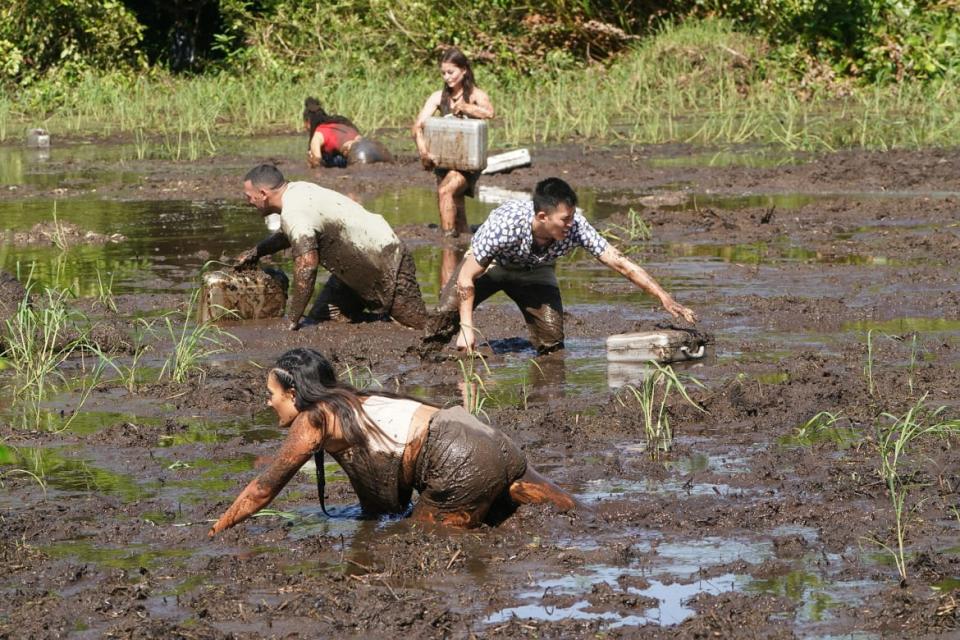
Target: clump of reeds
{"x":652,"y":394}
{"x":193,"y":342}
{"x":896,"y":438}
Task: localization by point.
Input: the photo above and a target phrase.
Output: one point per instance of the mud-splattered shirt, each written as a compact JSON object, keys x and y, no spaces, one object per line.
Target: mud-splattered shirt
{"x":357,"y":246}
{"x":507,"y":238}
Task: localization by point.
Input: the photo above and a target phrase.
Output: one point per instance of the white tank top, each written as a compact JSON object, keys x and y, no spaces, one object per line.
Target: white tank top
{"x":393,"y":416}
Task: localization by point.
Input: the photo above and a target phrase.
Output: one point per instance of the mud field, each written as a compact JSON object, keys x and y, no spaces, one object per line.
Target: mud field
{"x":757,"y":523}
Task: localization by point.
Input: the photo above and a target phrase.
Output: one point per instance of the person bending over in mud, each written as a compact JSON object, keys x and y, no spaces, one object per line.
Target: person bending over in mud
{"x":335,"y":141}
{"x":389,"y":445}
{"x":515,"y":251}
{"x":460,"y":97}
{"x":370,"y":268}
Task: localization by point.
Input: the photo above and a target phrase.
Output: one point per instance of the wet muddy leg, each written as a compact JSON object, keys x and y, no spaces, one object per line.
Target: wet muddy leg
{"x":533,"y":488}
{"x":542,"y":310}
{"x":408,"y":308}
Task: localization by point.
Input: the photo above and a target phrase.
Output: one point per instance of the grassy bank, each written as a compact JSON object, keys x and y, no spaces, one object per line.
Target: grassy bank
{"x":700,"y":83}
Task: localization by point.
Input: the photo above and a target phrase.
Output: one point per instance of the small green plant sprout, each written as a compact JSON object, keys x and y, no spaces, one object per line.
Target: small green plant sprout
{"x":660,"y":384}
{"x":105,"y":292}
{"x":525,"y":386}
{"x":868,"y":366}
{"x":913,"y":361}
{"x":823,"y":427}
{"x":10,"y":457}
{"x":471,"y":383}
{"x":361,"y":378}
{"x":895,"y":438}
{"x":193,"y":342}
{"x":635,"y":230}
{"x":130,"y":374}
{"x":59,"y":235}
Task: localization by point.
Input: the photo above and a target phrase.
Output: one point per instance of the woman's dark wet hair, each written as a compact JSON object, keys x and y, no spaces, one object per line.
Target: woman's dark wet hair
{"x":315,"y":385}
{"x":315,"y":115}
{"x":455,"y":56}
{"x":550,"y":193}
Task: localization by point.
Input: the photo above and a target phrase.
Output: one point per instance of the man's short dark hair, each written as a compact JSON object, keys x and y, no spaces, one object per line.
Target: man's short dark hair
{"x":550,"y":193}
{"x":265,"y":175}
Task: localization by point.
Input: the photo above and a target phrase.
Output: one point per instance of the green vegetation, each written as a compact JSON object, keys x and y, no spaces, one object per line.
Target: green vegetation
{"x":361,"y":378}
{"x":700,"y":82}
{"x":868,"y":365}
{"x":659,"y":384}
{"x":37,"y":340}
{"x":193,"y":342}
{"x":896,"y":438}
{"x":471,"y":384}
{"x":635,"y":230}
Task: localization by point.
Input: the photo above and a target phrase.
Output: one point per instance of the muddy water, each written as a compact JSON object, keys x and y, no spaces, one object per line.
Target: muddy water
{"x":744,"y":527}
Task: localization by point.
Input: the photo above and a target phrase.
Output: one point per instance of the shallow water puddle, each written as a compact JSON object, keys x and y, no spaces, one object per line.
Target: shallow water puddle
{"x":771,"y":254}
{"x":71,"y":475}
{"x":667,"y":572}
{"x":129,"y":557}
{"x":670,"y":609}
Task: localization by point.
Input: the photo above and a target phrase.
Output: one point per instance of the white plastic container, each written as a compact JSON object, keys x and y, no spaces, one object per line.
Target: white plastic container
{"x":251,"y":294}
{"x":507,"y":161}
{"x":660,"y":346}
{"x":457,"y":143}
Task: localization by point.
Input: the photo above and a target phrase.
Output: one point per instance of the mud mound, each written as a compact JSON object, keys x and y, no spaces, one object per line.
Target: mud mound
{"x":62,"y":234}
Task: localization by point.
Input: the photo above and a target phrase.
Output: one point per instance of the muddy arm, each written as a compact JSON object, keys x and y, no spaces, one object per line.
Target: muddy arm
{"x":314,"y":154}
{"x":429,"y":108}
{"x":481,"y":107}
{"x":533,"y":488}
{"x":304,"y":278}
{"x":300,"y":444}
{"x":273,"y":243}
{"x":633,"y":272}
{"x":466,"y":293}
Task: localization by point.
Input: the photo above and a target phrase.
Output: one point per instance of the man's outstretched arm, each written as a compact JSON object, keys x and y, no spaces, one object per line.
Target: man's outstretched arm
{"x":633,"y":272}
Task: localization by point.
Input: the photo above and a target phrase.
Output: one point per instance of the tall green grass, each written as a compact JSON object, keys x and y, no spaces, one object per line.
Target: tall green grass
{"x":700,"y":82}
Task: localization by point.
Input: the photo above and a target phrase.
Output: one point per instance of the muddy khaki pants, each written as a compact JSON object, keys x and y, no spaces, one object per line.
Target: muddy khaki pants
{"x":338,"y":301}
{"x":535,"y":291}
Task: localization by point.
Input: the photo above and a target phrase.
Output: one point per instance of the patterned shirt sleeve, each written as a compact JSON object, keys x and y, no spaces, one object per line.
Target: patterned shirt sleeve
{"x":497,"y":236}
{"x":586,"y":236}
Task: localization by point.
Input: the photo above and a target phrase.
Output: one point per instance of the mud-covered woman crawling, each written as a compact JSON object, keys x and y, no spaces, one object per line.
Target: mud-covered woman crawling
{"x":389,"y":445}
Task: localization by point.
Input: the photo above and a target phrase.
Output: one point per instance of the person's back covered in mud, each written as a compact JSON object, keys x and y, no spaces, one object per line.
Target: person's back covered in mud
{"x":389,"y":446}
{"x":370,"y":268}
{"x":334,"y":141}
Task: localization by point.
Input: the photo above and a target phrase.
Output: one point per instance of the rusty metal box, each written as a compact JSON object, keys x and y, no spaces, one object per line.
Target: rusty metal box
{"x":251,"y":294}
{"x":457,"y":143}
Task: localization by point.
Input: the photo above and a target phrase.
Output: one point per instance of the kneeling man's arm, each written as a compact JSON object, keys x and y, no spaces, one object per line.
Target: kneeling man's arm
{"x":266,"y":247}
{"x":638,"y":276}
{"x":304,"y":278}
{"x":466,"y":294}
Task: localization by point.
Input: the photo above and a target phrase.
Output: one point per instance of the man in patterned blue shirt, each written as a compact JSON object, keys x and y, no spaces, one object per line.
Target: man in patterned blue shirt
{"x":515,"y":251}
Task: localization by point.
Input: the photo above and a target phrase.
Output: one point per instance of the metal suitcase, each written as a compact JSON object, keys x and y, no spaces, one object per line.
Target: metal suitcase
{"x":251,"y":294}
{"x":457,"y":143}
{"x":661,"y":346}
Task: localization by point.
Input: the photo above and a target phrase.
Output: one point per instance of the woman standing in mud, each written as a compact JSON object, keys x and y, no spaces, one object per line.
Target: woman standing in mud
{"x":460,"y":97}
{"x":335,"y":141}
{"x":389,"y":445}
